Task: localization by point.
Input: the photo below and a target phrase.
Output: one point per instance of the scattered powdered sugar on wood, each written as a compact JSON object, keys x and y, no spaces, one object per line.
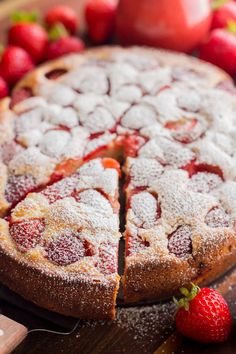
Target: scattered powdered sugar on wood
{"x":147,"y":322}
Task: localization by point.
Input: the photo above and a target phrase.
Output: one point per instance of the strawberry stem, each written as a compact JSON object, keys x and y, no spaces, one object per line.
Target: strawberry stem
{"x":216,"y":4}
{"x":57,"y":31}
{"x":23,"y":16}
{"x":188,"y":296}
{"x":231,"y":26}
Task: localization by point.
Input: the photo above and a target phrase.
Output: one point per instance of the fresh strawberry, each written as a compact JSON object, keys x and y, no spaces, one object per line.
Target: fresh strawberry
{"x":220,"y":49}
{"x":223,"y":14}
{"x":15,"y":63}
{"x":203,"y":315}
{"x":62,"y":14}
{"x":31,"y":37}
{"x":3,"y":88}
{"x":100,"y":17}
{"x":64,"y":45}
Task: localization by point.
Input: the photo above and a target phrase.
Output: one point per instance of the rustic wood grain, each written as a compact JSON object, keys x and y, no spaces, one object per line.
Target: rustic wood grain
{"x":151,"y":332}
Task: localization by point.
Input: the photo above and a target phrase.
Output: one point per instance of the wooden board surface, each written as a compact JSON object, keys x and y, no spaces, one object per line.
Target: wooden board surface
{"x":138,"y":330}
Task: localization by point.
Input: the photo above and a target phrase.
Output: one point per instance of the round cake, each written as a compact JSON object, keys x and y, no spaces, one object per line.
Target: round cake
{"x":169,"y":120}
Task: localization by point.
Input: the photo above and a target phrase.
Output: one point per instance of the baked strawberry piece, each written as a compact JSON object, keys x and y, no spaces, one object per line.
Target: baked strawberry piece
{"x":66,"y":249}
{"x":72,"y":227}
{"x":179,"y":242}
{"x":27,"y":234}
{"x":18,"y":187}
{"x":168,"y":226}
{"x":171,"y":122}
{"x":142,"y":172}
{"x":217,"y":217}
{"x":185,"y":130}
{"x":143,"y":212}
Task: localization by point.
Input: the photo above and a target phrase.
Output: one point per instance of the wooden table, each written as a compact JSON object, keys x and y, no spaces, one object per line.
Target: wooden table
{"x":139,"y":330}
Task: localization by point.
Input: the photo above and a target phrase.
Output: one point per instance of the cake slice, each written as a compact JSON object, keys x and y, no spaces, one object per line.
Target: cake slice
{"x":66,"y":237}
{"x":174,"y":222}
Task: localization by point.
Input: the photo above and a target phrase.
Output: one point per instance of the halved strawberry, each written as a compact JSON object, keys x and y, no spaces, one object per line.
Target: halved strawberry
{"x":217,"y":217}
{"x":60,"y":190}
{"x":179,"y":242}
{"x":145,"y":208}
{"x":204,"y":182}
{"x":27,"y":234}
{"x":183,"y":130}
{"x":107,"y":258}
{"x":66,"y":249}
{"x":135,"y":244}
{"x":18,"y":186}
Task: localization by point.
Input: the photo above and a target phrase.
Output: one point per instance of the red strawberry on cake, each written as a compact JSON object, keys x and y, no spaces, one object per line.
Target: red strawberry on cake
{"x":70,"y":227}
{"x":169,"y":120}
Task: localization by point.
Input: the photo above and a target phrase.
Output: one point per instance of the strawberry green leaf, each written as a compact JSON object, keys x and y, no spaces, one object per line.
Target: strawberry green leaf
{"x":231,"y":26}
{"x":23,"y":16}
{"x":216,"y":4}
{"x":188,"y":296}
{"x":194,"y":291}
{"x":57,"y":31}
{"x":184,"y":291}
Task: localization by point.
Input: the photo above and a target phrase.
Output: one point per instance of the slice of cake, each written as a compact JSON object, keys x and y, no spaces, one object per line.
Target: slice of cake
{"x":59,"y":246}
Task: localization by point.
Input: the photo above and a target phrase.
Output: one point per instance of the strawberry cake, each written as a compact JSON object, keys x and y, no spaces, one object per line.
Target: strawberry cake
{"x":169,"y":119}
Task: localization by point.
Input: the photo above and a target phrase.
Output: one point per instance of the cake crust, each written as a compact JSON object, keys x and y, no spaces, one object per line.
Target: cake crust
{"x":180,"y":170}
{"x":75,"y":296}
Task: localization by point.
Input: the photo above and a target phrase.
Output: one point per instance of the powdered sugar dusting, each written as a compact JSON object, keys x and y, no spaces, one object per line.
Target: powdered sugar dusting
{"x":147,"y":322}
{"x":176,"y":128}
{"x":180,"y":241}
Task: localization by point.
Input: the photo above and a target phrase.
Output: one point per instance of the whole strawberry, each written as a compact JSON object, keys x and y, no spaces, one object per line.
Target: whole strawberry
{"x":3,"y":88}
{"x":62,"y":14}
{"x":31,"y":37}
{"x":100,"y":17}
{"x":15,"y":63}
{"x":220,"y":49}
{"x":63,"y":46}
{"x":203,"y":315}
{"x":223,"y":14}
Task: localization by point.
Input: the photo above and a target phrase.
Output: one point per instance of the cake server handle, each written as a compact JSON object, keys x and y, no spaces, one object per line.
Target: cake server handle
{"x":11,"y":334}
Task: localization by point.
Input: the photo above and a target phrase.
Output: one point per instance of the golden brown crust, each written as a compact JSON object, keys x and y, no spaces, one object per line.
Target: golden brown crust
{"x":70,"y":297}
{"x":155,"y":278}
{"x":149,"y":277}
